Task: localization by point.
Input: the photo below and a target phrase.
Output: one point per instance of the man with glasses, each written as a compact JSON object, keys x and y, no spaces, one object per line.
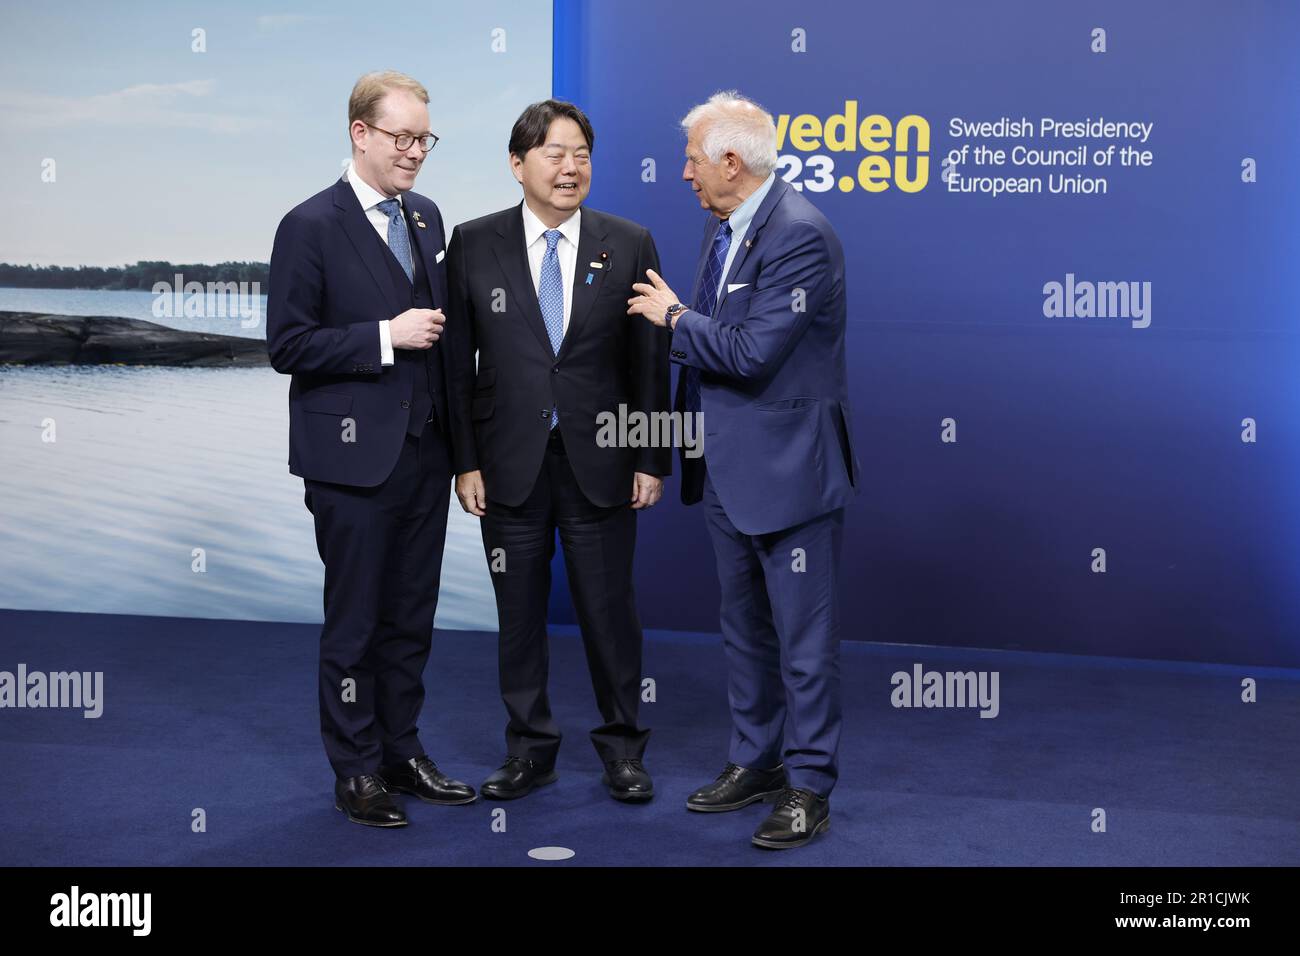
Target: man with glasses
{"x":354,"y":315}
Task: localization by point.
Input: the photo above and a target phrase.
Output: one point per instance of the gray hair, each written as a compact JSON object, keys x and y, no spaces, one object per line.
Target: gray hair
{"x":739,"y":125}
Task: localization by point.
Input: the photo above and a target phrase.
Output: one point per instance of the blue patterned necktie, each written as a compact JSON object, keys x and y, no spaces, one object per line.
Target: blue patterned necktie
{"x":708,"y":299}
{"x":398,"y":240}
{"x":550,"y":296}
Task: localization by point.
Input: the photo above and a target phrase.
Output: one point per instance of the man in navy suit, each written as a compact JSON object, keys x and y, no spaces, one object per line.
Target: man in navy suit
{"x":354,"y":315}
{"x":762,"y":359}
{"x":538,"y":293}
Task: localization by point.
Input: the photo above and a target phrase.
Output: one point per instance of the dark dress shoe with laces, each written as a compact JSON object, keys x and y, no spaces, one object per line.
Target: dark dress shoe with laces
{"x":737,"y":787}
{"x":628,"y":780}
{"x":420,"y":777}
{"x":366,"y":800}
{"x":516,"y":778}
{"x":799,"y":816}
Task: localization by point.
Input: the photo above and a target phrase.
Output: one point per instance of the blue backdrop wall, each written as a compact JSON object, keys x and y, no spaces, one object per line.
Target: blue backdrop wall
{"x":1037,"y":475}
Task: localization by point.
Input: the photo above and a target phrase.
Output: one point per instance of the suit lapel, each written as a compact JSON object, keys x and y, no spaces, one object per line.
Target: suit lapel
{"x":423,"y":246}
{"x":362,"y":235}
{"x":774,"y":196}
{"x":513,"y":259}
{"x":591,"y":237}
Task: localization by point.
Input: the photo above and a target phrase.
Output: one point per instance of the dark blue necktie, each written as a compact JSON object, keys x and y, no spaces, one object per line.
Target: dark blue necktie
{"x":708,"y":299}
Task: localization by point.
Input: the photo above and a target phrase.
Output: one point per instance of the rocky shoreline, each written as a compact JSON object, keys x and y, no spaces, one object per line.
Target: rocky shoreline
{"x":33,"y":338}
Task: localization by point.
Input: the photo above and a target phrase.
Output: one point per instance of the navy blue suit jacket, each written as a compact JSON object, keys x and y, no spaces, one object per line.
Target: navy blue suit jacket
{"x":330,"y":287}
{"x":778,"y":433}
{"x":501,"y":412}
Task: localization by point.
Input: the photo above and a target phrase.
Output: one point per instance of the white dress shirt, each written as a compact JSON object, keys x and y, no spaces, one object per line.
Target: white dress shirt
{"x":370,"y":198}
{"x":566,"y":250}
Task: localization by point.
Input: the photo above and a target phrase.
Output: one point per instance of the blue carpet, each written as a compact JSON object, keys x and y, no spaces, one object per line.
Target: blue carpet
{"x":221,"y":715}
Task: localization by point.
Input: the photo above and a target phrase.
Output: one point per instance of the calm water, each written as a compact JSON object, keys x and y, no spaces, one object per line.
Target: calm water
{"x":139,"y":305}
{"x":150,"y":463}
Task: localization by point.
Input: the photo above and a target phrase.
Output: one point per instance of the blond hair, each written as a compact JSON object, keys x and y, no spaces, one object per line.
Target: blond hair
{"x":363,"y":104}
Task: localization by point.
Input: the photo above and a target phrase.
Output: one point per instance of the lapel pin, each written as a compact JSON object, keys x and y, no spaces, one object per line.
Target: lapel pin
{"x":420,"y":224}
{"x":604,"y":256}
{"x":596,"y":265}
{"x":415,"y":216}
{"x":748,"y":243}
{"x":590,"y":276}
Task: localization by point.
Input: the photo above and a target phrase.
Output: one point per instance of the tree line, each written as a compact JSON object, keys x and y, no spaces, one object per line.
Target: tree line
{"x":140,"y":275}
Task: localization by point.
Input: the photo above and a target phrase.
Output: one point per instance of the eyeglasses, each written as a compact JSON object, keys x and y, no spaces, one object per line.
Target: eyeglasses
{"x":404,"y":140}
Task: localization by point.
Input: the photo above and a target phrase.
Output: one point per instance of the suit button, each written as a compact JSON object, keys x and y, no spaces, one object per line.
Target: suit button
{"x":546,"y":413}
{"x":555,"y":369}
{"x":406,"y":404}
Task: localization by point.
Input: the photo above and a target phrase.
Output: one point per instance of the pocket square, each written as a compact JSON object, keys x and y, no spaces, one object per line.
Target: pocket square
{"x":438,"y":257}
{"x":733,"y":286}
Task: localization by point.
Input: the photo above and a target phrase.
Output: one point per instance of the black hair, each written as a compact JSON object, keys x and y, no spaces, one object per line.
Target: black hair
{"x":530,"y":129}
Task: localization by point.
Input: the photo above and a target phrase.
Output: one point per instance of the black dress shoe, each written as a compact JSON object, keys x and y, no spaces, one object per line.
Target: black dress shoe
{"x":737,"y":787}
{"x":798,"y":817}
{"x":628,"y":780}
{"x":516,"y":778}
{"x":365,"y":800}
{"x":420,"y":777}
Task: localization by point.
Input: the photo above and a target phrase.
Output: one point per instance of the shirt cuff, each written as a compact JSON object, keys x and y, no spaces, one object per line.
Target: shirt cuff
{"x":385,"y":343}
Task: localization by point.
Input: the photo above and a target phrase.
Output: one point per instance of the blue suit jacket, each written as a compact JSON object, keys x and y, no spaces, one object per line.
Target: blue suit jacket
{"x":778,"y":433}
{"x":330,"y":287}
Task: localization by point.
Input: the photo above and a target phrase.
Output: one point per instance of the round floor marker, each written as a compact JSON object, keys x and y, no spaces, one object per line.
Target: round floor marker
{"x":551,"y":853}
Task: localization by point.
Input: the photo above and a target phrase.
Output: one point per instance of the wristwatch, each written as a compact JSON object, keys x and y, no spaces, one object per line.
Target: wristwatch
{"x":674,"y":310}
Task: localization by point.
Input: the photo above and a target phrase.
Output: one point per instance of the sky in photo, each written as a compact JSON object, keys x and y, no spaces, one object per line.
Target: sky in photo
{"x":164,"y":153}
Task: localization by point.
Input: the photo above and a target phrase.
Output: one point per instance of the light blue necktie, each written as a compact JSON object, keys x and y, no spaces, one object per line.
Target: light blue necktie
{"x":398,"y":240}
{"x":550,"y":296}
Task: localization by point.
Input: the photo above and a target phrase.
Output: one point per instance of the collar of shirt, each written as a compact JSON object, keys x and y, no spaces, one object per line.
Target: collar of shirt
{"x":367,"y":195}
{"x":534,"y":227}
{"x":743,"y":214}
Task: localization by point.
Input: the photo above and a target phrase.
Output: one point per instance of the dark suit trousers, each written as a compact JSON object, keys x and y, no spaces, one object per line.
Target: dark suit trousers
{"x":781,"y":632}
{"x":598,"y":544}
{"x":382,"y":549}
